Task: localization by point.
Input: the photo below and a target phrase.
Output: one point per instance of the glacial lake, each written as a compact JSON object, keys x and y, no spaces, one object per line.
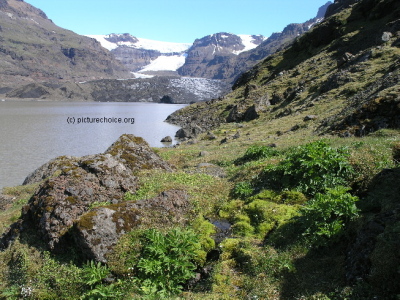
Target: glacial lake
{"x":33,"y":132}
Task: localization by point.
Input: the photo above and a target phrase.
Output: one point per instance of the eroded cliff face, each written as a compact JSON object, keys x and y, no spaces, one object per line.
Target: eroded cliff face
{"x":135,"y":59}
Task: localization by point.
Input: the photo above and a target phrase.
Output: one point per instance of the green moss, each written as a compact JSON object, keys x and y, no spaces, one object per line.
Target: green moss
{"x":226,"y":282}
{"x":292,"y":197}
{"x":205,"y":230}
{"x":231,"y":209}
{"x":242,"y":228}
{"x":266,"y":195}
{"x":86,"y":221}
{"x":72,"y":199}
{"x":241,"y":218}
{"x":228,"y":246}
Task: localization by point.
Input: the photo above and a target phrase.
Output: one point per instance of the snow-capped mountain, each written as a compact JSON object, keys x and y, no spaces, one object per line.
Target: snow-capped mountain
{"x":213,"y":49}
{"x":143,"y":56}
{"x":221,"y":56}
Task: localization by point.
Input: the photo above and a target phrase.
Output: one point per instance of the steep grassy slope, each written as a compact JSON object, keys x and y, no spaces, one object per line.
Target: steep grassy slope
{"x":349,"y":64}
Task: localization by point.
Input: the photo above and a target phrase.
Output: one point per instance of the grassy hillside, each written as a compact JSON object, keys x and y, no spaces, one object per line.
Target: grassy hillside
{"x":33,"y":48}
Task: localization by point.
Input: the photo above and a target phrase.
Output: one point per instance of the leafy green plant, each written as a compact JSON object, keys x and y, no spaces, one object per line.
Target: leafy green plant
{"x":325,"y":217}
{"x":310,"y":169}
{"x":103,"y":292}
{"x":94,"y":273}
{"x":242,"y":190}
{"x":256,"y":152}
{"x":166,"y":261}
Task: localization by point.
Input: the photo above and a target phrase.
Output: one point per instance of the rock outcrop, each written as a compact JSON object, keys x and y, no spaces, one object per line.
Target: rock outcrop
{"x":98,"y":231}
{"x":207,"y":53}
{"x":76,"y":185}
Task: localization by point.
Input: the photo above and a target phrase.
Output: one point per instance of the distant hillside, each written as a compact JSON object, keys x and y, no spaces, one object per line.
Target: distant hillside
{"x":33,"y":48}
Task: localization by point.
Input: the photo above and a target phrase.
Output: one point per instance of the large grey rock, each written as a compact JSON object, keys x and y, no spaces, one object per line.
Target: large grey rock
{"x":100,"y":229}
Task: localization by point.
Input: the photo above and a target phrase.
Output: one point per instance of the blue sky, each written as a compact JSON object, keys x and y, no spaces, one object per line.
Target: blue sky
{"x":180,"y":21}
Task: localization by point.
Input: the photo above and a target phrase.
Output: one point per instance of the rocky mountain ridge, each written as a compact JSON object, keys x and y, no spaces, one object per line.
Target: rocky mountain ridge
{"x":34,"y":49}
{"x":229,"y":67}
{"x":43,"y":61}
{"x":141,"y":55}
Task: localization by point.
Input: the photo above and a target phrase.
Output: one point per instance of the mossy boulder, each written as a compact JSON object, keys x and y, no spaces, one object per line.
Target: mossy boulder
{"x":61,"y":200}
{"x":77,"y":184}
{"x":48,"y":169}
{"x":98,"y":231}
{"x":135,"y":153}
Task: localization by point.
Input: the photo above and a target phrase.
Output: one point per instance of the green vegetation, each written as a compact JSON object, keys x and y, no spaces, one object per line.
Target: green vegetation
{"x":324,"y":218}
{"x":311,"y":169}
{"x":286,"y":241}
{"x":256,"y":153}
{"x":166,"y":261}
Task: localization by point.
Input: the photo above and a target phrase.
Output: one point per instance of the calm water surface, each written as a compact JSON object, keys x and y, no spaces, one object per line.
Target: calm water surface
{"x":34,"y":132}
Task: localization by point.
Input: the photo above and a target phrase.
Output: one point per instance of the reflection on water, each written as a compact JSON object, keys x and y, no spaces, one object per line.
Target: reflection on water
{"x":34,"y":132}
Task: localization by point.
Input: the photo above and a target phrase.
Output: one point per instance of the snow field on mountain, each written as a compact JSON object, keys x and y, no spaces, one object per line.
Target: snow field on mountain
{"x":104,"y":43}
{"x":163,"y":47}
{"x":247,"y":41}
{"x":166,"y":63}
